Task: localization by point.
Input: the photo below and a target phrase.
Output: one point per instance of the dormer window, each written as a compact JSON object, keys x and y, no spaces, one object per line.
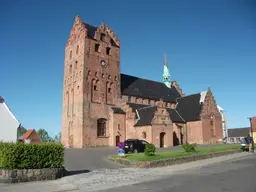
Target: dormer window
{"x":102,"y":37}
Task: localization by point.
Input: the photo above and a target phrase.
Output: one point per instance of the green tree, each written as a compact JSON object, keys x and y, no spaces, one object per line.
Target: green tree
{"x":57,"y":137}
{"x":43,"y":134}
{"x":21,"y":131}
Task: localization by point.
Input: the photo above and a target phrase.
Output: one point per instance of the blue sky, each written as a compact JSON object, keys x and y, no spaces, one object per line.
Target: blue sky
{"x":208,"y":44}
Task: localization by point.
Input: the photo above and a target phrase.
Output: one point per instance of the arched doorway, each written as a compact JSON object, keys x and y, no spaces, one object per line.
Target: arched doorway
{"x":117,"y":139}
{"x":162,"y":136}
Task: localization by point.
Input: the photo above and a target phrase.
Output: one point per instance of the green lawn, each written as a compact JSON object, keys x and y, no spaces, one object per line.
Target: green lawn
{"x":172,"y":153}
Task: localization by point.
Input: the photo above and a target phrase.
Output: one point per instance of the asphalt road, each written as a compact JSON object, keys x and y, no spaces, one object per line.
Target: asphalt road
{"x":234,"y":175}
{"x":88,"y":159}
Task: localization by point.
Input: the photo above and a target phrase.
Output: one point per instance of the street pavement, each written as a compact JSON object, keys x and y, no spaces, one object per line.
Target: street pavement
{"x":234,"y":172}
{"x":235,"y":175}
{"x":88,"y":159}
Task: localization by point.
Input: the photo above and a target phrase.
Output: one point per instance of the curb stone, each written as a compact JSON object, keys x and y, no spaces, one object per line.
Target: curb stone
{"x":171,"y":161}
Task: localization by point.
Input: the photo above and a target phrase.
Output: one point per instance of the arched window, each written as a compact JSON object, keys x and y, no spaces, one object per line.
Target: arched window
{"x":101,"y":127}
{"x":144,"y":135}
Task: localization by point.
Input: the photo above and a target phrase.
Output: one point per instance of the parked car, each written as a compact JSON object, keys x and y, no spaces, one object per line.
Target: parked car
{"x":134,"y":145}
{"x":244,"y":144}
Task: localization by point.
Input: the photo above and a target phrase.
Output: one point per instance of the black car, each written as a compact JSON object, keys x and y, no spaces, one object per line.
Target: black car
{"x":134,"y":145}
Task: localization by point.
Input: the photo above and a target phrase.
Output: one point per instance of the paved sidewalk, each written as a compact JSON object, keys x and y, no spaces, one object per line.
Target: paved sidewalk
{"x":104,"y":179}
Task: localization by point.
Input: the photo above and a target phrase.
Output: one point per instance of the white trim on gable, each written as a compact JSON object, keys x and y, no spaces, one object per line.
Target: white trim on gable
{"x":203,"y":95}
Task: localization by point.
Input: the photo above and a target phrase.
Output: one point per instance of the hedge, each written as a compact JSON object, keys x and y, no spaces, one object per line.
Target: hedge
{"x":31,"y":156}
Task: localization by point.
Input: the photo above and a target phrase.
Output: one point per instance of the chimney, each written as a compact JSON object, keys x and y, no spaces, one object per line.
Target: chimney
{"x":1,"y":99}
{"x":176,"y":85}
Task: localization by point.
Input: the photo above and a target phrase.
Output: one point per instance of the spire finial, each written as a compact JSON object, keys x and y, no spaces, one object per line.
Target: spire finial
{"x":165,"y":60}
{"x":102,"y":23}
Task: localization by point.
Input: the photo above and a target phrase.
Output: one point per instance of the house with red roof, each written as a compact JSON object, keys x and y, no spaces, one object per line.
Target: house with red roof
{"x":31,"y":136}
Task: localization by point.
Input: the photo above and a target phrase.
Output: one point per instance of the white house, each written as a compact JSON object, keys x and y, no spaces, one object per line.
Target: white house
{"x":8,"y":123}
{"x":224,"y":121}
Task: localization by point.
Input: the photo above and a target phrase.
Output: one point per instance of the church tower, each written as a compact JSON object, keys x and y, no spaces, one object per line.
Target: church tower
{"x":91,"y":84}
{"x":166,"y":73}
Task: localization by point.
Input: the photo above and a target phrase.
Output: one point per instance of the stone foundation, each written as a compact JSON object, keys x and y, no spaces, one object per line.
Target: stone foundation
{"x":26,"y":175}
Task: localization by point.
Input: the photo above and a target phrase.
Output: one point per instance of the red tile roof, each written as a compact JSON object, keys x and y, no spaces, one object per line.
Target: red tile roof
{"x":27,"y":134}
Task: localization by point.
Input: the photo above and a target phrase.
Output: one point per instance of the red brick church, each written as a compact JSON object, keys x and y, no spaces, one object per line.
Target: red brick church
{"x":101,"y":106}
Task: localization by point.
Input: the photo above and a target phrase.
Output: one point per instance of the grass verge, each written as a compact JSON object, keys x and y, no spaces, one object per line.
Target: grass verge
{"x":174,"y":153}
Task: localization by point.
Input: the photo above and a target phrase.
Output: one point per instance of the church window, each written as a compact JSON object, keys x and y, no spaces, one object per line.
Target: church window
{"x":109,"y":77}
{"x":77,"y":49}
{"x":108,"y":50}
{"x":89,"y":72}
{"x":70,"y":56}
{"x":115,"y":78}
{"x":101,"y":127}
{"x":95,"y":87}
{"x":97,"y":46}
{"x":103,"y":75}
{"x":102,"y":37}
{"x":118,"y":127}
{"x":109,"y":89}
{"x":144,"y":135}
{"x":162,"y":111}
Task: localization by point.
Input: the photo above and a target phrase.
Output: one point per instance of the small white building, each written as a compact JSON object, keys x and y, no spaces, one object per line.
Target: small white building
{"x":8,"y":123}
{"x":224,"y":121}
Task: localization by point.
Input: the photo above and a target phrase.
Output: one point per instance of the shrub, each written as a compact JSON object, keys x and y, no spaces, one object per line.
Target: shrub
{"x":31,"y":156}
{"x":189,"y":147}
{"x":150,"y":150}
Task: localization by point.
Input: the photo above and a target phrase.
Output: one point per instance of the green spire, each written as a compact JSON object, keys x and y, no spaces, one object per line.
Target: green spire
{"x":166,"y":74}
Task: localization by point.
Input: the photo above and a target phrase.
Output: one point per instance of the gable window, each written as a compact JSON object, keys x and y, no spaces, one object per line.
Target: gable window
{"x":101,"y":127}
{"x":102,"y":37}
{"x":108,"y":50}
{"x":97,"y":46}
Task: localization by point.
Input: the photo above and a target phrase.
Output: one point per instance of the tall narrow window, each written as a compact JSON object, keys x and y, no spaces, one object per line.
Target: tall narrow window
{"x":70,"y":56}
{"x":76,"y":65}
{"x":102,"y":37}
{"x":97,"y":46}
{"x":101,"y":127}
{"x":73,"y":100}
{"x":108,"y":50}
{"x":77,"y":49}
{"x":67,"y":95}
{"x":70,"y":68}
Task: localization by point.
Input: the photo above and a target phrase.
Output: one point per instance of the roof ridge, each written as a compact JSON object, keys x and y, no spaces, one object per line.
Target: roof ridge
{"x":189,"y":95}
{"x":145,"y":79}
{"x":148,"y":106}
{"x":179,"y":115}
